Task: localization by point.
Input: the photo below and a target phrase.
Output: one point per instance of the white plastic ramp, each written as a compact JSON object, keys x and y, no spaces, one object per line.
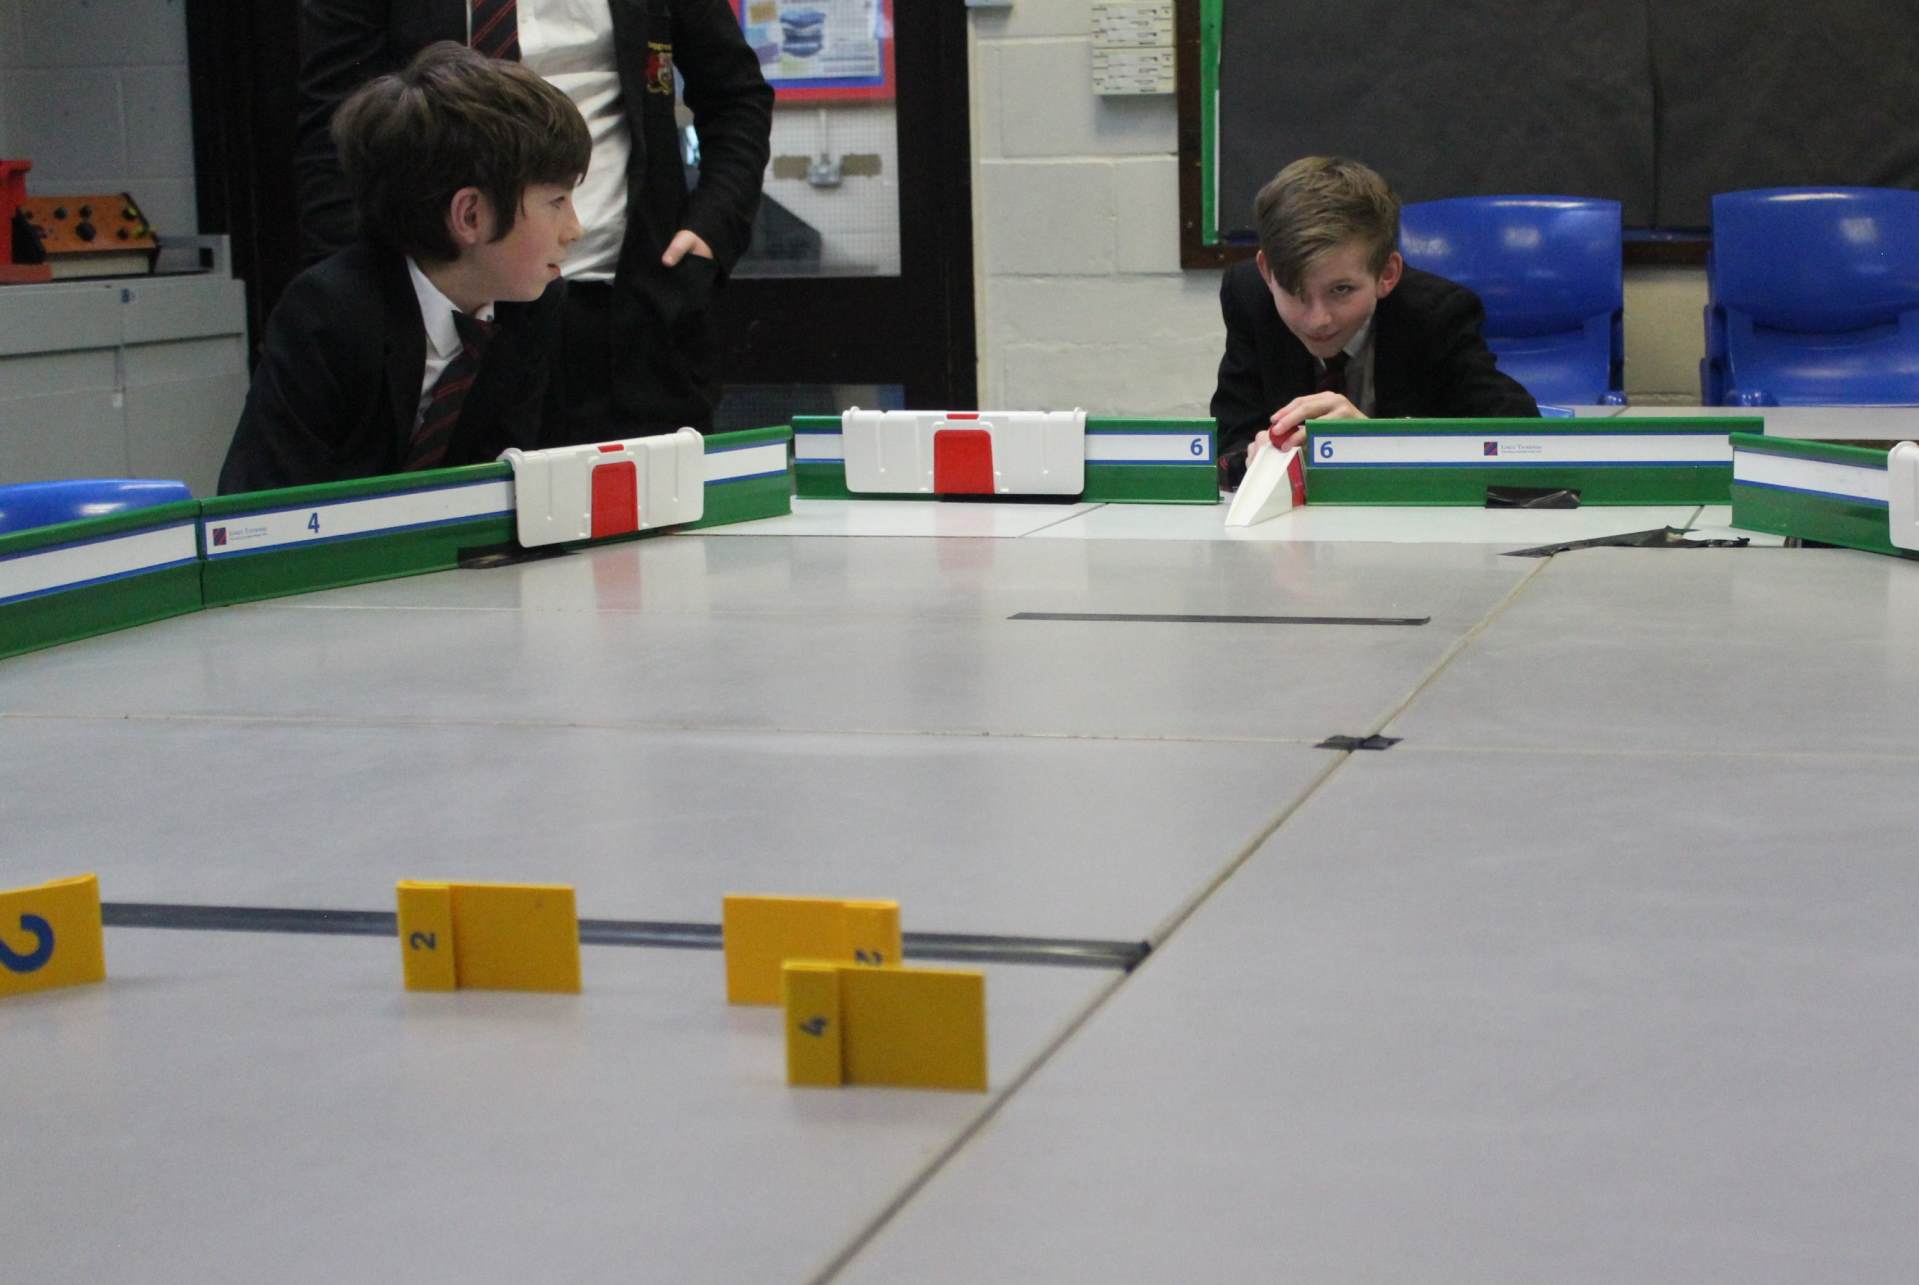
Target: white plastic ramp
{"x":1274,"y":483}
{"x":964,"y":452}
{"x":593,"y":492}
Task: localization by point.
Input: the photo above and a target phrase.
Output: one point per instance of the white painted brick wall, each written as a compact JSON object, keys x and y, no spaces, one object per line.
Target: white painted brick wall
{"x":1081,"y":301}
{"x":96,"y":96}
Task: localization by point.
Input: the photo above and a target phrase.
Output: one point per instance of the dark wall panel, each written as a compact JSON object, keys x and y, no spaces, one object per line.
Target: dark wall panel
{"x":1477,"y":97}
{"x":1778,"y":93}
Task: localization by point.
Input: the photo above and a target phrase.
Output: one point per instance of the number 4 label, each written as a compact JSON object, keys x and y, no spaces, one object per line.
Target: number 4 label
{"x":313,"y":522}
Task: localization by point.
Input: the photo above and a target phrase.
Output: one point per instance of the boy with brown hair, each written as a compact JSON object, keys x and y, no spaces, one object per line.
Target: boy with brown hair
{"x":641,"y":351}
{"x":1328,"y":322}
{"x":425,"y":344}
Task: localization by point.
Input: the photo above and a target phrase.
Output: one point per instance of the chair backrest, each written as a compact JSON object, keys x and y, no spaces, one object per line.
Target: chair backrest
{"x":1541,"y":264}
{"x":1816,"y":260}
{"x":24,"y":505}
{"x":1548,"y":270}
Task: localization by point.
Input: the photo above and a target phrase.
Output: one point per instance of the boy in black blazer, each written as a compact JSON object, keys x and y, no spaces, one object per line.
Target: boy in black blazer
{"x":391,"y":355}
{"x":1327,"y":321}
{"x":640,"y":352}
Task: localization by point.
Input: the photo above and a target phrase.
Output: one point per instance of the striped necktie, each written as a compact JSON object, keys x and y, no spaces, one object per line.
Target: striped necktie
{"x":496,"y":29}
{"x":431,"y":439}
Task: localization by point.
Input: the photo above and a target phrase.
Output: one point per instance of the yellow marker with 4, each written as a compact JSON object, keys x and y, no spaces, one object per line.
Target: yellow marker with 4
{"x":919,"y":1028}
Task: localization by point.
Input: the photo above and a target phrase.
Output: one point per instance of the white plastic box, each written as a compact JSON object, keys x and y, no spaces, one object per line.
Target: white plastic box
{"x":574,"y":493}
{"x":964,"y":452}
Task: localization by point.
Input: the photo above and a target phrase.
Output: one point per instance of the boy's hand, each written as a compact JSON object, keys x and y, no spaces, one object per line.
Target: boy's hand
{"x":685,"y":242}
{"x":1286,"y":430}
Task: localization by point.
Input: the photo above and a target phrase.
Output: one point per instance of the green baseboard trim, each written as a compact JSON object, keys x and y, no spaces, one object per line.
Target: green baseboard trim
{"x":744,"y":501}
{"x":1850,"y":524}
{"x":98,"y":609}
{"x":827,"y":481}
{"x":1151,"y":484}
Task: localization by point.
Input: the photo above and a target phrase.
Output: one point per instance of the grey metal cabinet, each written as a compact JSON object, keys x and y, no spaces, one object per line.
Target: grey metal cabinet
{"x":123,"y":376}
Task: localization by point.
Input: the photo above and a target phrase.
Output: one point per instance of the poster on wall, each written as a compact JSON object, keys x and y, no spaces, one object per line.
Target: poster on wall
{"x":822,"y":50}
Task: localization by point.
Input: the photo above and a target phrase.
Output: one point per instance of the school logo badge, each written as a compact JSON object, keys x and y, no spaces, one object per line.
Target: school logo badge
{"x":219,"y":536}
{"x":659,"y":68}
{"x":1491,"y":448}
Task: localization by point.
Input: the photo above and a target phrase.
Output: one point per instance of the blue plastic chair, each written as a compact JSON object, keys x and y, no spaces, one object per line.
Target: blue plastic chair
{"x":1813,"y":298}
{"x":1548,"y":270}
{"x":24,"y":505}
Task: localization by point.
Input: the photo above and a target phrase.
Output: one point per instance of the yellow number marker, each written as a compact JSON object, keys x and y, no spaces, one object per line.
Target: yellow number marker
{"x":50,"y":936}
{"x":489,"y":936}
{"x":762,"y":933}
{"x":813,"y":1052}
{"x":426,"y":936}
{"x":916,"y":1028}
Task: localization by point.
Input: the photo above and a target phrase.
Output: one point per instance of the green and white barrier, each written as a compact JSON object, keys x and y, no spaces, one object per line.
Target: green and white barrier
{"x":1449,"y":462}
{"x":1828,"y":493}
{"x":1068,"y":455}
{"x":77,"y":579}
{"x":91,"y":577}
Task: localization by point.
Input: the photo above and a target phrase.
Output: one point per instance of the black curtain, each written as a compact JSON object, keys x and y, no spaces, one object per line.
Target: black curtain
{"x":243,"y":62}
{"x":1654,"y":103}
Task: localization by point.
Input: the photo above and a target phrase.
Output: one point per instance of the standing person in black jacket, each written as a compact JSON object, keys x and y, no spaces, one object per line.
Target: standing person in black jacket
{"x":638,"y":352}
{"x":424,"y":344}
{"x":1327,"y":321}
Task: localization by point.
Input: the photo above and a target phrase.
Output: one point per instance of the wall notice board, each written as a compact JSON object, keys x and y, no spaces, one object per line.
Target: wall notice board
{"x":1657,"y":104}
{"x":821,"y":50}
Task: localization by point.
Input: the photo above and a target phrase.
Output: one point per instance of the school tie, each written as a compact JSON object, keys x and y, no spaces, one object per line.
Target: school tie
{"x":496,"y":29}
{"x":1333,"y":378}
{"x":430,"y":440}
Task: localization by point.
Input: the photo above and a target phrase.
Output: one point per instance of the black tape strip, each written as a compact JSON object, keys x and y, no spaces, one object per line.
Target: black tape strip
{"x":484,"y":556}
{"x":961,"y":947}
{"x":1155,"y":619}
{"x":1531,"y":497}
{"x":1666,"y":537}
{"x":1358,"y":743}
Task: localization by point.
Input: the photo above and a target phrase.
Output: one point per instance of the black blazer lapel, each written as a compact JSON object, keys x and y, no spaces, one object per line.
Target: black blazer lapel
{"x":449,"y":19}
{"x":405,"y":350}
{"x":1289,"y":367}
{"x":1392,"y":360}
